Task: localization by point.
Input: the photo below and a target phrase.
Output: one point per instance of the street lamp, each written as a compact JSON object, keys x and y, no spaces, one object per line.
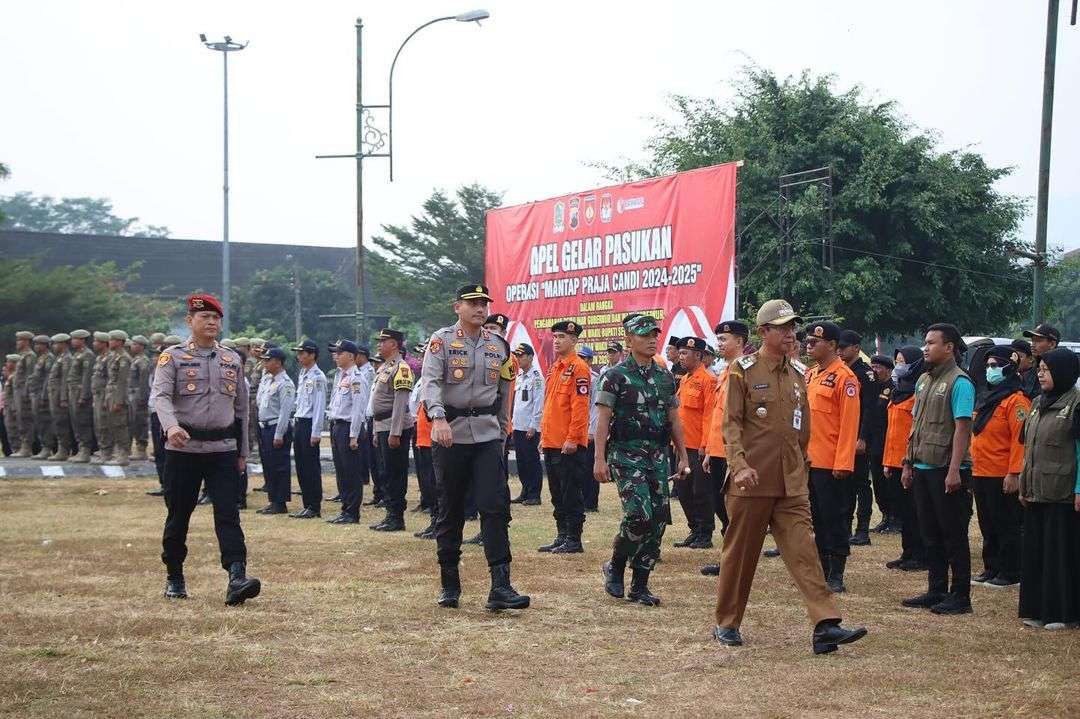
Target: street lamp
{"x":225,"y":47}
{"x":370,"y":141}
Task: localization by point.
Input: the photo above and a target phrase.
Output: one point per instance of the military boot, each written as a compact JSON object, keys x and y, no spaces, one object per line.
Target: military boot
{"x":560,"y":538}
{"x":639,"y":589}
{"x":140,"y":453}
{"x":24,"y":451}
{"x":502,"y":594}
{"x":174,"y":583}
{"x":451,"y":586}
{"x":240,"y":587}
{"x":104,"y":456}
{"x":43,"y":454}
{"x":835,"y":577}
{"x":119,"y":457}
{"x":614,"y":571}
{"x":378,"y":526}
{"x":60,"y":455}
{"x":395,"y":522}
{"x":572,"y":545}
{"x":83,"y":457}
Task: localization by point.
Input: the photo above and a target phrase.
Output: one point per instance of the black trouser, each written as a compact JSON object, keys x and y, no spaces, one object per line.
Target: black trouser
{"x":860,"y":497}
{"x":5,"y":443}
{"x":943,"y":520}
{"x":425,"y":476}
{"x":347,"y":463}
{"x":717,"y":478}
{"x":829,"y":499}
{"x":277,"y":472}
{"x":566,"y":479}
{"x":590,"y":491}
{"x":395,"y":462}
{"x":457,"y":469}
{"x":884,"y":494}
{"x":527,"y":453}
{"x":158,"y":438}
{"x":377,"y":465}
{"x":184,"y":472}
{"x":308,"y":467}
{"x":368,"y":455}
{"x":695,"y":496}
{"x":904,"y":507}
{"x":1000,"y":518}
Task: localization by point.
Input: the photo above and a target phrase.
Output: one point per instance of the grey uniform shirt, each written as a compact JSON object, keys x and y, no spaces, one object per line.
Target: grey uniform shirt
{"x":529,"y":399}
{"x":390,"y":397}
{"x":349,"y":400}
{"x":468,"y":372}
{"x":311,"y":397}
{"x":201,"y":388}
{"x":276,"y":397}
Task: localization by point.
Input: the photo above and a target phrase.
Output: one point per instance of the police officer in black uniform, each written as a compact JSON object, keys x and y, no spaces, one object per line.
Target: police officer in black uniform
{"x":860,"y":504}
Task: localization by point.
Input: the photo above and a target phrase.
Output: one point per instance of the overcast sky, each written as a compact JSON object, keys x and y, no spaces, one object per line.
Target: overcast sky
{"x":119,"y":99}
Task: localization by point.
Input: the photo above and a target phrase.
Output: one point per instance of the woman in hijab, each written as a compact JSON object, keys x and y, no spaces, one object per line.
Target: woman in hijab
{"x":1050,"y":493}
{"x":908,"y":367}
{"x":997,"y":456}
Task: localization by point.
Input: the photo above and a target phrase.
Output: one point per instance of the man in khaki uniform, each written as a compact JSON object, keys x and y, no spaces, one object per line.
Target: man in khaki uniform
{"x":102,"y":427}
{"x":24,"y":417}
{"x":393,"y":425}
{"x":9,"y":436}
{"x":766,"y":431}
{"x":56,"y":390}
{"x":116,"y":397}
{"x":39,"y":398}
{"x":80,"y":401}
{"x":253,"y":370}
{"x":138,"y":392}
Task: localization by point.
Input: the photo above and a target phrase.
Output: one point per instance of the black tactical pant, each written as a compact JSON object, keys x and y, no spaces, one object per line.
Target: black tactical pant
{"x":308,"y":467}
{"x":695,"y":496}
{"x":904,"y":508}
{"x":158,"y":438}
{"x":347,"y":464}
{"x":884,"y":494}
{"x":277,"y":472}
{"x":828,"y":506}
{"x":1000,"y":518}
{"x":527,"y":454}
{"x":459,"y":469}
{"x":566,"y":481}
{"x":943,"y":520}
{"x":591,"y":488}
{"x":184,"y":473}
{"x":860,"y":497}
{"x":717,"y":480}
{"x":395,"y":461}
{"x":425,"y":476}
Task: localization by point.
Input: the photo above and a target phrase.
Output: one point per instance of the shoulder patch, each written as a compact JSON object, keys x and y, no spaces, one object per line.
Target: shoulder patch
{"x":164,"y":359}
{"x":508,"y":372}
{"x":1021,"y":413}
{"x":799,"y":367}
{"x":851,"y":389}
{"x":403,"y":378}
{"x":435,"y":346}
{"x":746,"y":361}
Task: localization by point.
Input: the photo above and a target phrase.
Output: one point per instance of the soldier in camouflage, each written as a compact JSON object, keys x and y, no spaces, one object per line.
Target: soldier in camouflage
{"x":100,"y":378}
{"x":20,"y":380}
{"x":116,"y":397}
{"x":39,"y":398}
{"x":79,"y":396}
{"x":138,"y":392}
{"x":56,"y":389}
{"x":638,"y":417}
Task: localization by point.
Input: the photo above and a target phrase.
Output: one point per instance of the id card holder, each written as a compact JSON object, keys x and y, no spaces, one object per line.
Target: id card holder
{"x":796,"y":419}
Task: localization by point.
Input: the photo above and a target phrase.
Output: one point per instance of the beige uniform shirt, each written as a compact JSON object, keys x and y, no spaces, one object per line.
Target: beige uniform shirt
{"x":138,"y":388}
{"x":80,"y":375}
{"x":101,"y":375}
{"x":390,"y":397}
{"x":116,"y":389}
{"x":55,"y":385}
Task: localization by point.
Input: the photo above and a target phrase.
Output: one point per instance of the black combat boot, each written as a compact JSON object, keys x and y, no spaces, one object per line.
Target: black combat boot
{"x":861,"y":538}
{"x":615,"y":571}
{"x":639,"y":589}
{"x":711,"y":570}
{"x":395,"y":522}
{"x":502,"y":594}
{"x":477,"y":539}
{"x":174,"y":583}
{"x":559,"y":539}
{"x":702,"y":541}
{"x":835,"y":577}
{"x":572,"y":545}
{"x":451,"y":586}
{"x":427,"y":532}
{"x":828,"y":634}
{"x":204,"y":498}
{"x":378,"y":526}
{"x":241,"y":587}
{"x":690,"y":539}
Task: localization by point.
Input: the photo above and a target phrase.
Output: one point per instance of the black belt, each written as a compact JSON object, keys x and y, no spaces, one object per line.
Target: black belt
{"x":380,"y":416}
{"x":453,"y":413}
{"x":211,"y":435}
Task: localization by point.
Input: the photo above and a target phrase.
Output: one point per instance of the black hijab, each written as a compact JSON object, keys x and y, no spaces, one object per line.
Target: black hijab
{"x":905,"y":386}
{"x":996,"y":393}
{"x":1064,"y":367}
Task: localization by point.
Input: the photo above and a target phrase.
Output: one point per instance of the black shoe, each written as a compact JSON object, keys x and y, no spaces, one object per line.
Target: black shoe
{"x":374,"y":501}
{"x":690,"y":539}
{"x":554,"y":543}
{"x":913,"y":565}
{"x":953,"y":604}
{"x":273,"y":508}
{"x":159,"y":492}
{"x":204,"y":499}
{"x":924,"y":601}
{"x":572,"y":545}
{"x":517,"y":500}
{"x":305,"y":513}
{"x":261,"y":489}
{"x":478,"y":539}
{"x":703,"y":541}
{"x":727,"y":636}
{"x":983,"y":577}
{"x":1003,"y":580}
{"x":174,"y":585}
{"x":895,"y":563}
{"x":828,"y":635}
{"x":335,"y":498}
{"x":242,"y":504}
{"x":711,"y":570}
{"x":835,"y":577}
{"x":502,"y":594}
{"x":240,"y":587}
{"x":895,"y":526}
{"x":393,"y":523}
{"x":531,"y":502}
{"x":771,"y":553}
{"x":614,"y":572}
{"x":379,"y":525}
{"x":639,"y":589}
{"x":344,"y":519}
{"x":451,"y":586}
{"x":426,"y":532}
{"x":860,"y":539}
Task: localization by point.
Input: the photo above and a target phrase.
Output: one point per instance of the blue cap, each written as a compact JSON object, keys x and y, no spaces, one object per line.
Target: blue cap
{"x":275,"y":353}
{"x":585,"y":352}
{"x":363,"y":349}
{"x":307,"y":346}
{"x":344,"y":346}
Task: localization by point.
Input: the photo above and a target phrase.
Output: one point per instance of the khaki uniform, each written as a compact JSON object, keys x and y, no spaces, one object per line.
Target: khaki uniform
{"x":39,"y":403}
{"x":767,"y":427}
{"x":102,"y":427}
{"x":10,"y":420}
{"x":80,"y":401}
{"x":24,"y":416}
{"x":253,"y":370}
{"x":56,"y":390}
{"x":116,"y":402}
{"x":390,"y":414}
{"x":138,"y":394}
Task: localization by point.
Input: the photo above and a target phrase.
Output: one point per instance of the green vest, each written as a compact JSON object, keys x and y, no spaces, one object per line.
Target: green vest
{"x":1049,"y":473}
{"x":930,"y":440}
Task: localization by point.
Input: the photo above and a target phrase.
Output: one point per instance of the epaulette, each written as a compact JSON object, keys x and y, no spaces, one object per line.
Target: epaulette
{"x":746,"y":361}
{"x":798,"y":367}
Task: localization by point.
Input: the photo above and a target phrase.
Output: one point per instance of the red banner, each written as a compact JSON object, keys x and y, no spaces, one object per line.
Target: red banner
{"x":663,"y":246}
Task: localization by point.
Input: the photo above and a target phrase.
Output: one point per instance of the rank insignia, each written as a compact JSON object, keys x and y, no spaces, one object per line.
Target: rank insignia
{"x":191,"y":387}
{"x":192,"y":373}
{"x":230,"y":387}
{"x":492,"y":348}
{"x":186,"y":357}
{"x":459,"y":373}
{"x":457,"y":345}
{"x":493,"y":375}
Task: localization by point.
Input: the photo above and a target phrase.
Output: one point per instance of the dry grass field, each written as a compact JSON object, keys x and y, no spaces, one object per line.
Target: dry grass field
{"x":347,"y":626}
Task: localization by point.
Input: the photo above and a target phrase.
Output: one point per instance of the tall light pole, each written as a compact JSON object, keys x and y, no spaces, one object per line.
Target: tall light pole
{"x":225,"y":47}
{"x":370,"y":141}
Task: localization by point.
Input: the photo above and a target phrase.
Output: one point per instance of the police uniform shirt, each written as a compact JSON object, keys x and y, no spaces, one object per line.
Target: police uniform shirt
{"x":390,"y":396}
{"x":529,"y":399}
{"x":349,"y":399}
{"x":276,"y":397}
{"x":367,"y":371}
{"x":468,"y":373}
{"x":202,"y":388}
{"x":594,"y":410}
{"x":311,"y":397}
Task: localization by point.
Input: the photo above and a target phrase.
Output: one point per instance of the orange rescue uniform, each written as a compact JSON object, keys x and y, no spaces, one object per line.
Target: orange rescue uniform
{"x":834,"y":407}
{"x":423,"y":427}
{"x":896,"y":436}
{"x":997,"y":450}
{"x":696,"y":395}
{"x":714,"y":442}
{"x":566,"y":403}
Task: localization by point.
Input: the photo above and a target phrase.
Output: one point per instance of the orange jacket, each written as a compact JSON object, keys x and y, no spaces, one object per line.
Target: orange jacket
{"x":566,"y":403}
{"x":714,"y":443}
{"x":997,"y":450}
{"x":661,"y":360}
{"x":423,"y":427}
{"x":896,"y":434}
{"x":833,"y":393}
{"x":696,"y":396}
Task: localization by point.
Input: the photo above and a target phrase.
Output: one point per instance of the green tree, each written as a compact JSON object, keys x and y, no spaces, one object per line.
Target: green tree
{"x":4,"y":174}
{"x":1063,"y":296}
{"x":70,"y":215}
{"x":419,"y":267}
{"x":921,"y":235}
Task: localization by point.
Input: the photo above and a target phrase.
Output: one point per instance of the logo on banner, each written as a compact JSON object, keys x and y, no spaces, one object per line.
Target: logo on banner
{"x":575,"y":207}
{"x":605,"y":207}
{"x":558,"y":223}
{"x":590,"y":209}
{"x":630,"y":203}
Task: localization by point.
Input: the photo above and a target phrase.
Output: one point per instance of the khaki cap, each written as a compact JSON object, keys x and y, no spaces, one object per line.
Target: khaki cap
{"x":24,"y":335}
{"x":777,"y":312}
{"x":157,"y":337}
{"x":118,"y":335}
{"x":242,"y":342}
{"x":171,"y":340}
{"x":12,"y":358}
{"x":258,"y":342}
{"x":101,"y":336}
{"x":139,"y":339}
{"x":42,"y":339}
{"x":79,"y":334}
{"x":61,"y":337}
{"x":228,"y":343}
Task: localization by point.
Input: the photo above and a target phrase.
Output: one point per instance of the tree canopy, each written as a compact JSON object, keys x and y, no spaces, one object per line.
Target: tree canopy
{"x":70,"y":215}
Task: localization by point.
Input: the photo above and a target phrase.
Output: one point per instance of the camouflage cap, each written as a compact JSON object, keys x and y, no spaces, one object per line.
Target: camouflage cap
{"x":157,"y":337}
{"x":642,"y":325}
{"x":12,"y":358}
{"x":24,"y":335}
{"x":777,"y":312}
{"x":101,"y":336}
{"x":171,"y":340}
{"x":139,"y":339}
{"x":60,"y":337}
{"x":118,"y":335}
{"x":227,"y":342}
{"x":79,"y":334}
{"x":242,"y":342}
{"x":41,"y":339}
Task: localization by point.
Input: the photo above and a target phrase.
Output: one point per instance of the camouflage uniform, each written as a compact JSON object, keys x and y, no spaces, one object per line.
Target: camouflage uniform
{"x":637,"y":456}
{"x":100,"y":378}
{"x":80,"y":398}
{"x":56,"y":389}
{"x":138,"y":395}
{"x":24,"y":416}
{"x":39,"y":400}
{"x":116,"y":400}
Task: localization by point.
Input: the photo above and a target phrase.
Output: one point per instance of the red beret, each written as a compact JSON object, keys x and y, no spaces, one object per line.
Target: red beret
{"x":202,"y":303}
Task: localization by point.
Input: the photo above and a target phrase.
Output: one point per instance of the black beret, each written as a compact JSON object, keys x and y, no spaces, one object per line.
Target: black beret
{"x":673,"y":342}
{"x":883,"y":360}
{"x":824,"y":331}
{"x":733,"y":327}
{"x":568,"y":327}
{"x":498,"y":319}
{"x":850,"y":338}
{"x":692,"y":343}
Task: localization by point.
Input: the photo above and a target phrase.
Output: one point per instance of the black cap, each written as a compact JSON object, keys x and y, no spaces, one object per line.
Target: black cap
{"x":823,"y":331}
{"x":344,"y":346}
{"x":498,"y":319}
{"x":614,"y":347}
{"x":673,"y":342}
{"x":1044,"y":330}
{"x":850,"y":338}
{"x":474,"y":292}
{"x":524,"y":349}
{"x":1002,"y":353}
{"x":1022,"y":346}
{"x":569,"y":327}
{"x":363,"y":350}
{"x":389,"y":334}
{"x":733,"y":327}
{"x":275,"y":353}
{"x":692,"y":343}
{"x":882,"y":360}
{"x":307,"y":346}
